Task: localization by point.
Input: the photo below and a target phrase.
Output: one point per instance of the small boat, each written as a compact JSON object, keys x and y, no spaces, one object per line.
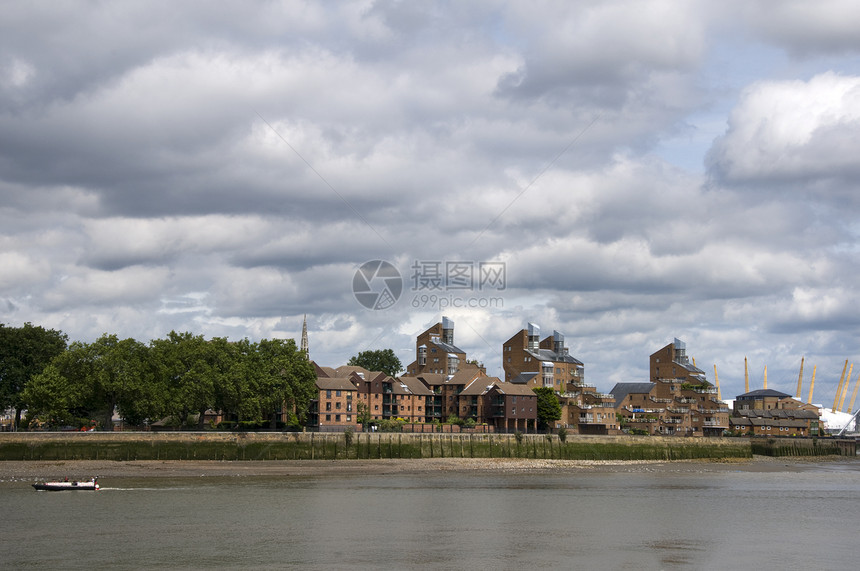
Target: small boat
{"x":92,"y":485}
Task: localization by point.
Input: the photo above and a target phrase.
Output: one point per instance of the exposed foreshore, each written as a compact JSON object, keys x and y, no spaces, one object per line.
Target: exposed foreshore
{"x":84,"y":469}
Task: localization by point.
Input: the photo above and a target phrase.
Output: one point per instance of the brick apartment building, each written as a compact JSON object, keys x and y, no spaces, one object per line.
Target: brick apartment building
{"x":458,"y":390}
{"x":678,"y":400}
{"x":767,"y":412}
{"x":335,"y":405}
{"x":435,"y":351}
{"x":531,"y":362}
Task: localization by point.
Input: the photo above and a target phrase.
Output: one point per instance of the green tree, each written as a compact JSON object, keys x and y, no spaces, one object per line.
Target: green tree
{"x":378,"y":360}
{"x":119,"y":373}
{"x":24,"y":353}
{"x":282,"y":379}
{"x":188,"y":367}
{"x":54,"y":398}
{"x":234,"y":362}
{"x":548,"y":407}
{"x":95,"y":379}
{"x":363,"y":416}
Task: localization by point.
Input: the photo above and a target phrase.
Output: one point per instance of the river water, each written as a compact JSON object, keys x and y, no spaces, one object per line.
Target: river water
{"x":644,"y":517}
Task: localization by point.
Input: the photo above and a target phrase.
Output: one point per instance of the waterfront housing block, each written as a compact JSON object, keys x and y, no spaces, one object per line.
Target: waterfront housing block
{"x":438,"y":386}
{"x":677,"y":400}
{"x":532,"y":362}
{"x":767,"y":412}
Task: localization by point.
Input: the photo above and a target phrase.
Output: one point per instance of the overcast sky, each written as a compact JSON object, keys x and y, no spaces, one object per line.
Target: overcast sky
{"x":644,"y":169}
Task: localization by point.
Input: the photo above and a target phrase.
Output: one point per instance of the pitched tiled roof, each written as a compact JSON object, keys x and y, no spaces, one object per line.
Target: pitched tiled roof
{"x":548,"y":355}
{"x":621,"y":390}
{"x":465,"y":375}
{"x":447,"y":347}
{"x":432,"y":379}
{"x":512,"y":389}
{"x":415,"y":386}
{"x":479,"y":386}
{"x":523,"y":378}
{"x":762,"y":393}
{"x":345,"y":370}
{"x":779,"y":413}
{"x":335,"y":383}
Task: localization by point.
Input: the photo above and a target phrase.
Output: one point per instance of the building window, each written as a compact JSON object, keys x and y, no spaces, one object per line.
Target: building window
{"x":337,"y":405}
{"x":328,"y":406}
{"x":349,"y":418}
{"x":337,"y":393}
{"x":328,"y":418}
{"x":328,"y":394}
{"x":337,"y":418}
{"x":376,"y":407}
{"x":419,"y":409}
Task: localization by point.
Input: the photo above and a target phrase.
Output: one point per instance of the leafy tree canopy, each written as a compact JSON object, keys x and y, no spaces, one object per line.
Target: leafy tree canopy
{"x":548,"y":407}
{"x":378,"y":360}
{"x":24,"y":353}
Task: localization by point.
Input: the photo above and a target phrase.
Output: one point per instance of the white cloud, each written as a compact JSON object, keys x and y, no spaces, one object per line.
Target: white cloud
{"x":790,"y":132}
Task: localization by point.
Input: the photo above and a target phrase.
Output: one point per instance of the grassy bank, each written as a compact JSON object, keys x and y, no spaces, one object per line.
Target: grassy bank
{"x":318,"y":446}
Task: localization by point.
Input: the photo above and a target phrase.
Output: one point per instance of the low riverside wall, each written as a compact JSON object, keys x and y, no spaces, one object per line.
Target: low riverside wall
{"x":332,"y":446}
{"x":804,"y":446}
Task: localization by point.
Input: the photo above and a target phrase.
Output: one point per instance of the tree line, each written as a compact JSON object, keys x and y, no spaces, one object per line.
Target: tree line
{"x":178,"y":377}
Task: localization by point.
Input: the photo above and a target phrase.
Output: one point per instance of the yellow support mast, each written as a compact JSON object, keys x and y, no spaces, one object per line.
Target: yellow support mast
{"x":854,"y":394}
{"x":812,"y":384}
{"x":717,"y":382}
{"x":800,"y":379}
{"x":839,"y":389}
{"x":746,"y":376}
{"x":845,"y":389}
{"x":765,"y":377}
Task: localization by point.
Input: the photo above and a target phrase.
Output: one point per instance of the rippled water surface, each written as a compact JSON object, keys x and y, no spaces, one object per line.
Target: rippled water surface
{"x":658,"y":518}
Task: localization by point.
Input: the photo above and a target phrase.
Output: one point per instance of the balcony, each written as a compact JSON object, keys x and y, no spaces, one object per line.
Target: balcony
{"x":665,"y":401}
{"x":705,"y":391}
{"x":635,"y":409}
{"x":672,"y":420}
{"x":678,"y":410}
{"x":718,"y":423}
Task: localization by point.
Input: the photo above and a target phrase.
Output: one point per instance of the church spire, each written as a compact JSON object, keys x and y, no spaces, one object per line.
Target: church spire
{"x":304,"y":347}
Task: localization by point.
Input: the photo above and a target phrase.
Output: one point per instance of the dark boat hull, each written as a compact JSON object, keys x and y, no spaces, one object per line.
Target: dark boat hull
{"x":66,"y":486}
